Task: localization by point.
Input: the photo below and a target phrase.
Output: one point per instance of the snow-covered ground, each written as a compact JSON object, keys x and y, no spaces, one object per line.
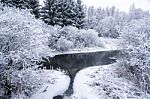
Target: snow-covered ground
{"x":56,"y":83}
{"x":101,"y":82}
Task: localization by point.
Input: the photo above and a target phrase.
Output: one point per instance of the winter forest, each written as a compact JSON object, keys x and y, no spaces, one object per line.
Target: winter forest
{"x":63,"y":49}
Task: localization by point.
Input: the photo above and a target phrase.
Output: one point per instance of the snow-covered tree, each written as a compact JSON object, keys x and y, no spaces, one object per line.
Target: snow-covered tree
{"x":69,"y":13}
{"x":135,"y":39}
{"x":107,"y":27}
{"x":80,"y":14}
{"x":59,"y":12}
{"x":22,"y":42}
{"x":48,"y":11}
{"x":34,"y":6}
{"x":17,"y":3}
{"x":137,"y":13}
{"x":90,"y":17}
{"x":100,"y":14}
{"x":112,"y":11}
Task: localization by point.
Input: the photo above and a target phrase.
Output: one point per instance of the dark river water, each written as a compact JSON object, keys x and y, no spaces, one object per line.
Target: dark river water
{"x":75,"y":62}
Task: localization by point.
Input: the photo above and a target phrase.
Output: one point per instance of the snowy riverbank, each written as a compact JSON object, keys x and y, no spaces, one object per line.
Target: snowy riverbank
{"x":56,"y":83}
{"x":101,"y":82}
{"x":62,"y":81}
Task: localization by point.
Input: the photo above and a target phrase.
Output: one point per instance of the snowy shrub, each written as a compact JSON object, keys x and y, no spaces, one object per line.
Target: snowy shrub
{"x":90,"y":38}
{"x":71,"y":37}
{"x":67,"y":33}
{"x":135,"y":39}
{"x":17,"y":76}
{"x":63,"y":44}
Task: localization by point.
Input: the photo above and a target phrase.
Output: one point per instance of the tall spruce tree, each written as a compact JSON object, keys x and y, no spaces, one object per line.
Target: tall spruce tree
{"x":59,"y":12}
{"x":34,"y":6}
{"x":69,"y":13}
{"x":58,"y":17}
{"x":22,"y":4}
{"x":80,"y":15}
{"x":49,"y":12}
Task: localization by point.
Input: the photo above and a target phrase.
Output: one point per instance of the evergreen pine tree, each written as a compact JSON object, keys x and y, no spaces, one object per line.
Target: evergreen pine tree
{"x":48,"y":12}
{"x":69,"y":14}
{"x":80,"y":15}
{"x":22,"y":4}
{"x":59,"y":12}
{"x":58,"y":16}
{"x":73,"y":13}
{"x":34,"y":6}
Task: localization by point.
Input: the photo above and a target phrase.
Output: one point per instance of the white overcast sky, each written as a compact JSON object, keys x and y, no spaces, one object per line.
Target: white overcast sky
{"x":122,"y":5}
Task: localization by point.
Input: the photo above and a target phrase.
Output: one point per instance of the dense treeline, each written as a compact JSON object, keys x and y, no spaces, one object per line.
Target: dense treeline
{"x":110,"y":21}
{"x":63,"y":13}
{"x":53,"y":12}
{"x":107,"y":22}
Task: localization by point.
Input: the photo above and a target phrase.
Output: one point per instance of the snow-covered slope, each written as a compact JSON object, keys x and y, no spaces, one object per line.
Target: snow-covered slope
{"x":101,"y":82}
{"x":56,"y":83}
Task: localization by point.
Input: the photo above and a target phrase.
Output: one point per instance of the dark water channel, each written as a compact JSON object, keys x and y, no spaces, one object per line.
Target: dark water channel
{"x":75,"y":62}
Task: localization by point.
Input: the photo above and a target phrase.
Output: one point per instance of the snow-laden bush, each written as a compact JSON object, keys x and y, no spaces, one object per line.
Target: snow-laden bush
{"x":71,"y":37}
{"x":63,"y":44}
{"x":19,"y":30}
{"x":23,"y":40}
{"x":90,"y":38}
{"x":18,"y":78}
{"x":135,"y":39}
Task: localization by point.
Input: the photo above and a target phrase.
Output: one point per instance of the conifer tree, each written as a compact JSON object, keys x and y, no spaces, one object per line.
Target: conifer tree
{"x":22,"y":4}
{"x":49,"y":12}
{"x":34,"y":6}
{"x":69,"y":13}
{"x":59,"y":12}
{"x":80,"y":15}
{"x":58,"y":17}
